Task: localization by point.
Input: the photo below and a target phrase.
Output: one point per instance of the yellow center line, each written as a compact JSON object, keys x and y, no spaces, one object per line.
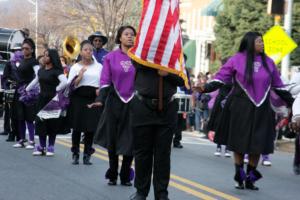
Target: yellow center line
{"x":190,"y":191}
{"x":172,"y":183}
{"x":102,"y":154}
{"x":203,"y":187}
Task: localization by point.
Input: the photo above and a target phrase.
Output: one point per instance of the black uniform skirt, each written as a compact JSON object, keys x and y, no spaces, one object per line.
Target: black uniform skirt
{"x":20,"y":111}
{"x":245,"y":128}
{"x":216,"y":113}
{"x":47,"y":126}
{"x":80,"y":117}
{"x":114,"y":127}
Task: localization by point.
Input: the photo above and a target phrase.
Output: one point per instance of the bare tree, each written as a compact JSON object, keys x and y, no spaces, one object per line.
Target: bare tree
{"x":82,"y":17}
{"x":79,"y":18}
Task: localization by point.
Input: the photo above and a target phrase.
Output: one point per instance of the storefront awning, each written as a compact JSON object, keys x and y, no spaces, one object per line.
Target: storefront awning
{"x":213,"y":8}
{"x":189,"y":50}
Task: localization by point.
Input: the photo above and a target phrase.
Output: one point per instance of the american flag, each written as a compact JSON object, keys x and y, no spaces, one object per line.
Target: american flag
{"x":159,"y":41}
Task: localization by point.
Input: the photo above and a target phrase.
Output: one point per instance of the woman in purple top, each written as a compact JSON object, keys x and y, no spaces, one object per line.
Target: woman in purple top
{"x":248,"y":122}
{"x":117,"y":90}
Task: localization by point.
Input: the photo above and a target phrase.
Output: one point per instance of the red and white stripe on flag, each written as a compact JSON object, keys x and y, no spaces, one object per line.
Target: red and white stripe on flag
{"x":159,"y":41}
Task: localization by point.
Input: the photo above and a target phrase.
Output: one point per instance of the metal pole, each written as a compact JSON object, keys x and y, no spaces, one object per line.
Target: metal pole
{"x":36,"y":26}
{"x":35,"y":3}
{"x":288,"y":28}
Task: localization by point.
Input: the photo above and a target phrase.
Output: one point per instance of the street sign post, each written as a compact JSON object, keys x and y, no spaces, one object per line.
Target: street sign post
{"x":278,"y":43}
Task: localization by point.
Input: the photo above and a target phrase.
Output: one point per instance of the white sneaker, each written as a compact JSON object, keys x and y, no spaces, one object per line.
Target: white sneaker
{"x":266,"y":163}
{"x":218,"y":152}
{"x":19,"y":145}
{"x":227,"y":154}
{"x":37,"y":153}
{"x":49,"y":153}
{"x":30,"y":145}
{"x":246,"y":159}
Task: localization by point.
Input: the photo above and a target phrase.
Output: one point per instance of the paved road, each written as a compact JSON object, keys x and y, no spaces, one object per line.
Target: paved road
{"x":196,"y":174}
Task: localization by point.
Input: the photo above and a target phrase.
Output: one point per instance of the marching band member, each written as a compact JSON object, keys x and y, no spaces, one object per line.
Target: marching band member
{"x":25,"y":111}
{"x":181,"y":117}
{"x":98,"y":40}
{"x":158,"y":60}
{"x":86,"y":75}
{"x":248,"y":121}
{"x":153,"y":130}
{"x":51,"y":79}
{"x":10,"y":79}
{"x":114,"y":130}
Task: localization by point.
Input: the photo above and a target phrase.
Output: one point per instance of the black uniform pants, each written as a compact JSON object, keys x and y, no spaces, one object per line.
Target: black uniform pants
{"x":88,"y":142}
{"x":114,"y":164}
{"x":10,"y":123}
{"x":7,"y":121}
{"x":152,"y":138}
{"x":152,"y":147}
{"x":180,"y":127}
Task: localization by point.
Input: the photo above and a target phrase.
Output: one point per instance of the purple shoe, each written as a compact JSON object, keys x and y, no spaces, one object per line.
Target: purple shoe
{"x":38,"y":151}
{"x":50,"y":151}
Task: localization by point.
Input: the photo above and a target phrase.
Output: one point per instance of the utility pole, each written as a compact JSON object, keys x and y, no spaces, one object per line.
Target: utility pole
{"x":288,"y":28}
{"x":35,"y":3}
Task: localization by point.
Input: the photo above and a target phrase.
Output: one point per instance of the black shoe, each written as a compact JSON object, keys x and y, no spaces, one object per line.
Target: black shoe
{"x":125,"y":183}
{"x":86,"y":159}
{"x":4,"y":133}
{"x":250,"y":185}
{"x":137,"y":196}
{"x":11,"y":138}
{"x":112,"y":182}
{"x":163,"y":198}
{"x":252,"y":176}
{"x":75,"y":159}
{"x":239,"y":185}
{"x":179,"y":146}
{"x":239,"y":176}
{"x":297,"y":169}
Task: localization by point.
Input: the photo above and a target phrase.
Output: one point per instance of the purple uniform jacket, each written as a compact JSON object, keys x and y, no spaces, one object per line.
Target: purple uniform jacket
{"x":262,"y":81}
{"x":119,"y":71}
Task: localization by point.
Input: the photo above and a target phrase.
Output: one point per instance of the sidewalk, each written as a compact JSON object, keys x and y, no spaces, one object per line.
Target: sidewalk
{"x":286,"y":145}
{"x":283,"y":145}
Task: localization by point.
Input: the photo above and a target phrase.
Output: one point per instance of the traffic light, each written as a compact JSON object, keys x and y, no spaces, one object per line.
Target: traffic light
{"x":276,"y":7}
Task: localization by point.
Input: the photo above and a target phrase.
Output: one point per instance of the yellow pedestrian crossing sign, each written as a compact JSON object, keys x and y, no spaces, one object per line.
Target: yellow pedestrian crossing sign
{"x":278,"y":43}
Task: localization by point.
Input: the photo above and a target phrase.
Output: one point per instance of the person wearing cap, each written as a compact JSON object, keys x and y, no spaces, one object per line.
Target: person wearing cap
{"x":98,"y":40}
{"x":26,"y":32}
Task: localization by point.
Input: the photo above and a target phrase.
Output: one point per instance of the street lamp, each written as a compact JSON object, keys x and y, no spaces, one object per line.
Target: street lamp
{"x":35,"y":3}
